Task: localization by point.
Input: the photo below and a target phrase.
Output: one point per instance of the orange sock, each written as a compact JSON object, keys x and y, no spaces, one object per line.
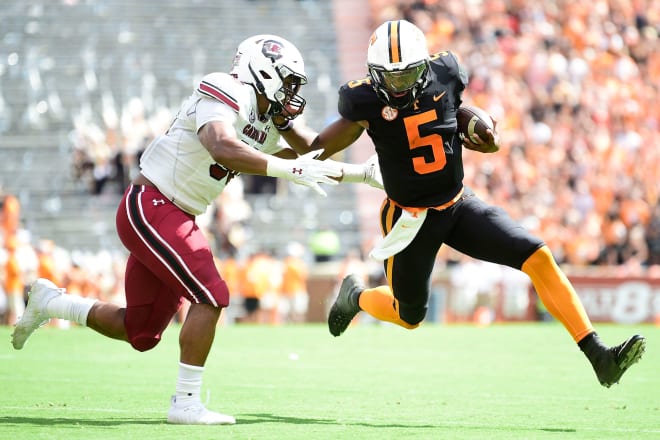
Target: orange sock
{"x":557,"y":293}
{"x":381,"y":304}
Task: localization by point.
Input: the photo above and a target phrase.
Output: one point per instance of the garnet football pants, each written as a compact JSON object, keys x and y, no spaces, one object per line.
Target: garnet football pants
{"x":169,"y":260}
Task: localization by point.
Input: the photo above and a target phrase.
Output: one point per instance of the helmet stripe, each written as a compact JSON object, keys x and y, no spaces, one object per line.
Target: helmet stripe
{"x":395,"y":43}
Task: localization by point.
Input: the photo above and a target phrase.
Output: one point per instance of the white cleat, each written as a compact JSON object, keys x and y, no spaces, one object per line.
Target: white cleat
{"x":193,"y":412}
{"x":35,"y":316}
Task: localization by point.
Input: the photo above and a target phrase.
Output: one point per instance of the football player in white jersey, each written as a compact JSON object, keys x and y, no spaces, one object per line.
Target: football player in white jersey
{"x":230,"y":124}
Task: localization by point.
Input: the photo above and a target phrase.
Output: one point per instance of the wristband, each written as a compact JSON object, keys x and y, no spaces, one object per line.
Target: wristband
{"x":286,"y":127}
{"x":277,"y":167}
{"x":353,"y":172}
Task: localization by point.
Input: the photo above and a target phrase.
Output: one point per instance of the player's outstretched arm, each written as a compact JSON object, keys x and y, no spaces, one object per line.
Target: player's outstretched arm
{"x":337,"y":136}
{"x":296,"y":133}
{"x":305,"y":170}
{"x":367,"y":172}
{"x":220,"y":140}
{"x":334,"y":138}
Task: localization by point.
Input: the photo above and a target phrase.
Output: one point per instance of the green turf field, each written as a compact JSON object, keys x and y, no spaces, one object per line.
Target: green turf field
{"x":517,"y":381}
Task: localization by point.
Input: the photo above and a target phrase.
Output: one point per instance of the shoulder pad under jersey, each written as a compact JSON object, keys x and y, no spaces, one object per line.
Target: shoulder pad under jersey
{"x":447,"y":61}
{"x":356,"y":99}
{"x":221,"y":86}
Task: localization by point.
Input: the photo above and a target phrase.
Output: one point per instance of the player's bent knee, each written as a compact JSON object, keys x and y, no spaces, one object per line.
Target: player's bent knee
{"x":539,"y":258}
{"x":544,"y":253}
{"x":408,"y":326}
{"x":144,"y":344}
{"x":411,"y":315}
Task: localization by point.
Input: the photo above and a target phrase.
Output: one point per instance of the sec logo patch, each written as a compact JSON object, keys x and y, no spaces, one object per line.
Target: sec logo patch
{"x":389,"y":113}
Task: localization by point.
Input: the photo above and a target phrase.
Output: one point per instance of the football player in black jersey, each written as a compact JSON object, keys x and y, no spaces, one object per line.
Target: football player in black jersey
{"x":408,"y":104}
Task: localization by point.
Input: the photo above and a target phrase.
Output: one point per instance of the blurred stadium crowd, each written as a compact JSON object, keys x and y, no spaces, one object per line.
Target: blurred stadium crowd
{"x":574,"y":86}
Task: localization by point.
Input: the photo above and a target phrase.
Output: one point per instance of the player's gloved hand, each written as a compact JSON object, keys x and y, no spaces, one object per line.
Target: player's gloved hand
{"x":305,"y":170}
{"x":367,"y":172}
{"x":372,"y":174}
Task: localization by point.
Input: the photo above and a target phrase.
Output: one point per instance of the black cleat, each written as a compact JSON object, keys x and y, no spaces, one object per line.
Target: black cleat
{"x":346,"y":305}
{"x":610,"y":363}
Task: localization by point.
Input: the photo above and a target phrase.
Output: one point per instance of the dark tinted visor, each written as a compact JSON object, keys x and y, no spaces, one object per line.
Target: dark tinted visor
{"x":402,"y":80}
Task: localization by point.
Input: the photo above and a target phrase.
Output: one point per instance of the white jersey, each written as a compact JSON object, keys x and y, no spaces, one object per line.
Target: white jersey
{"x":179,"y":165}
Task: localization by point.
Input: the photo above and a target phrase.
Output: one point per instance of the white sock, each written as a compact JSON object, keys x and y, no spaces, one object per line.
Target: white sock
{"x":70,"y":307}
{"x":189,"y":381}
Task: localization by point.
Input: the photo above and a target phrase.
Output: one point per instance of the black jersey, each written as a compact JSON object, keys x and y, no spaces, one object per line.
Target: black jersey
{"x":419,"y":152}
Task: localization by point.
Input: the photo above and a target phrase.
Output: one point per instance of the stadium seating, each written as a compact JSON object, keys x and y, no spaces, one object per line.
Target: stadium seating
{"x":80,"y":61}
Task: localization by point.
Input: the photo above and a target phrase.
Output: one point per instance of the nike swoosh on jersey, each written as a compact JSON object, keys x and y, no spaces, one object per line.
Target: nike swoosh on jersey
{"x":436,"y":98}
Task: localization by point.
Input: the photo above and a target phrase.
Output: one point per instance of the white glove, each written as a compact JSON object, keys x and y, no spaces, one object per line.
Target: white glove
{"x":305,"y":170}
{"x":372,"y":174}
{"x":367,"y":172}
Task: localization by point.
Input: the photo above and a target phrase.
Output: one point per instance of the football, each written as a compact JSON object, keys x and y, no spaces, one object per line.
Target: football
{"x":473,"y":120}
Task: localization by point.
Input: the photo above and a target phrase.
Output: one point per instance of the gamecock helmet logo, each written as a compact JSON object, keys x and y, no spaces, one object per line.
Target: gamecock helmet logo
{"x":272,"y":49}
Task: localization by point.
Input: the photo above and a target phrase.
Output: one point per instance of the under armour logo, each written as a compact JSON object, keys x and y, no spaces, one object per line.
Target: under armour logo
{"x":157,"y":202}
{"x":297,"y":171}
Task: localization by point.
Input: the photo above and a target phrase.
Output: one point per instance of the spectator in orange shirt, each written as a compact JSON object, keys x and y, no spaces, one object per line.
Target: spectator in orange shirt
{"x":11,"y":214}
{"x":46,"y":262}
{"x":14,"y":283}
{"x":263,"y":279}
{"x":232,"y":272}
{"x":74,"y":280}
{"x":294,"y":300}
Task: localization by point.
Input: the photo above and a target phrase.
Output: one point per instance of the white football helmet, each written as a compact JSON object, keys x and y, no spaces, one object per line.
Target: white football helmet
{"x":275,"y":68}
{"x":398,"y":62}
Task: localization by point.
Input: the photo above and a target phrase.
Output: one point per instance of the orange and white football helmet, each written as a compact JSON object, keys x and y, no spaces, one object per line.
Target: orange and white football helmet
{"x":398,"y":62}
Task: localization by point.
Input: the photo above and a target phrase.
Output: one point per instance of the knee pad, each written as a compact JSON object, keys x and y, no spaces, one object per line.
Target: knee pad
{"x":412,"y":314}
